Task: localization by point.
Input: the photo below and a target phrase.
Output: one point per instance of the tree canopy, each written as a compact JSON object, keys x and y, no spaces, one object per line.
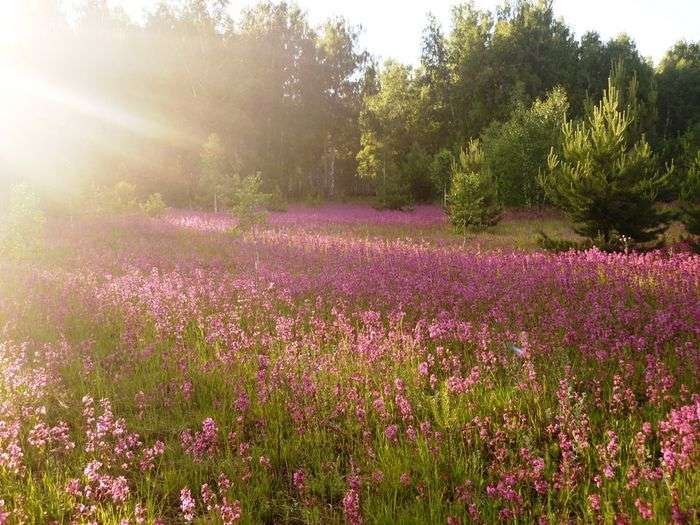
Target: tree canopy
{"x":311,"y":111}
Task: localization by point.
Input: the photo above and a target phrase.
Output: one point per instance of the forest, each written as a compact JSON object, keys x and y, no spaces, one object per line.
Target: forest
{"x":315,"y":115}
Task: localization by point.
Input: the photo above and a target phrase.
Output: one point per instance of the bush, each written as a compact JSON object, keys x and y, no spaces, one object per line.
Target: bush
{"x":154,"y":206}
{"x":473,"y":203}
{"x":22,"y":224}
{"x":606,"y":186}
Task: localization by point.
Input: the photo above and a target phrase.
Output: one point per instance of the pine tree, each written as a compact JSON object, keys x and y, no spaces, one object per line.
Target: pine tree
{"x":473,"y":203}
{"x":607,"y":186}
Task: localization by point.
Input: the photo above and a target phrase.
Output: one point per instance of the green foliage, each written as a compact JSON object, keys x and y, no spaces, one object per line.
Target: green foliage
{"x":607,"y":186}
{"x":376,"y":162}
{"x":371,"y":159}
{"x":489,"y":50}
{"x":473,"y":203}
{"x":154,"y":206}
{"x":678,"y":80}
{"x":516,"y":151}
{"x":393,"y":193}
{"x":249,"y":201}
{"x":436,"y":111}
{"x":120,"y":198}
{"x":638,"y":101}
{"x":441,"y":173}
{"x":415,"y":169}
{"x":553,"y":244}
{"x":632,"y":74}
{"x":690,"y":198}
{"x":217,"y":177}
{"x":22,"y":224}
{"x":297,"y":101}
{"x":276,"y":202}
{"x":389,"y":155}
{"x":681,"y":151}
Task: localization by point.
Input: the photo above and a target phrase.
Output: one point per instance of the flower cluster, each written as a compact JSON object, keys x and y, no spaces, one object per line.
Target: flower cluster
{"x":322,"y":368}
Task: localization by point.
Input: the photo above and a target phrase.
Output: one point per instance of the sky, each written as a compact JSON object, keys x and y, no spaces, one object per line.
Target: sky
{"x":392,"y":28}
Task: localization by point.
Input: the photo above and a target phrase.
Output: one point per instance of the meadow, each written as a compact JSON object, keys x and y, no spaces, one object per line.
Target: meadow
{"x":345,"y":365}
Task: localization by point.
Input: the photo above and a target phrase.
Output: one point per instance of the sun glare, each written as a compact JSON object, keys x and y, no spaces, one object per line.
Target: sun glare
{"x":44,"y":115}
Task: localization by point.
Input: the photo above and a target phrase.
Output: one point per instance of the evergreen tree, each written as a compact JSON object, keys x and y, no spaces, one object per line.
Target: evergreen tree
{"x":606,"y":185}
{"x":473,"y":203}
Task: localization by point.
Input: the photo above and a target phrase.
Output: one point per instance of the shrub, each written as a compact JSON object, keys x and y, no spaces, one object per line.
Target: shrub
{"x":22,"y":224}
{"x":607,"y":186}
{"x":473,"y":203}
{"x":154,"y":206}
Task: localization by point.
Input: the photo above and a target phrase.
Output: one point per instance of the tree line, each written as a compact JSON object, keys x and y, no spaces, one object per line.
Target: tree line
{"x":313,"y":116}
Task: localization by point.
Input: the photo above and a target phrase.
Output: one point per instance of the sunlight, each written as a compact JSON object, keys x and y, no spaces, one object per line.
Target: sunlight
{"x":40,"y":106}
{"x":256,"y":268}
{"x":14,"y":23}
{"x":21,"y":90}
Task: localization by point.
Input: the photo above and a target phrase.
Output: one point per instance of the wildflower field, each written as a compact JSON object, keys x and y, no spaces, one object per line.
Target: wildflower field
{"x":343,"y":365}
